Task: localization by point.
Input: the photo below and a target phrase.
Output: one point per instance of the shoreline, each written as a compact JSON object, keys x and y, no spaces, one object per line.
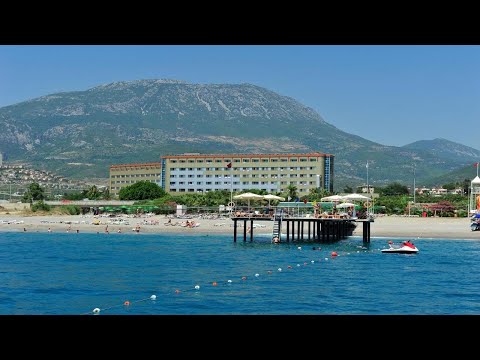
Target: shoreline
{"x":385,"y":226}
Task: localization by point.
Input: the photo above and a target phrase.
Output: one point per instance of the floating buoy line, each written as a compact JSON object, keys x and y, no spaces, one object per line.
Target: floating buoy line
{"x":228,"y":282}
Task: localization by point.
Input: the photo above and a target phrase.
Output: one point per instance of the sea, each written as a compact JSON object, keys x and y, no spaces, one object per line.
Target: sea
{"x":164,"y":274}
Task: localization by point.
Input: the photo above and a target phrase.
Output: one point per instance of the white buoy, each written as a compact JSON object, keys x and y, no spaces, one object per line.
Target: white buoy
{"x":229,"y":281}
{"x":279,"y":269}
{"x":197,"y":287}
{"x":96,"y":310}
{"x":298,"y":264}
{"x":312,"y":261}
{"x":257,"y":275}
{"x":299,"y":248}
{"x":153,"y":297}
{"x":326,"y":259}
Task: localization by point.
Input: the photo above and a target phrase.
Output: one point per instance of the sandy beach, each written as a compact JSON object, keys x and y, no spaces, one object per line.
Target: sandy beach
{"x":386,"y":226}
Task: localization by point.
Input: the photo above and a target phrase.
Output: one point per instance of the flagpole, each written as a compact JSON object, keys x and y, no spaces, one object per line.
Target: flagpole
{"x":231,"y":185}
{"x":368,"y":189}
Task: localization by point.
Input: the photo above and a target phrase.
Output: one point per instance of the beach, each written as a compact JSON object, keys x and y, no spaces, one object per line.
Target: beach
{"x":384,"y":226}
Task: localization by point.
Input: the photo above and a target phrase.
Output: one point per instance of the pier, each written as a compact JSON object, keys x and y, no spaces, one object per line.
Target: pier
{"x":303,"y":229}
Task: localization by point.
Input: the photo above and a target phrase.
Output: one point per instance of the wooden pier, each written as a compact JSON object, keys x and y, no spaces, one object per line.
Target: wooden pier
{"x":303,"y":229}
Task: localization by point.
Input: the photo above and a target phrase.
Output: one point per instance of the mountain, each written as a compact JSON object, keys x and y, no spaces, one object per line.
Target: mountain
{"x":461,"y":175}
{"x":447,"y":150}
{"x":79,"y":134}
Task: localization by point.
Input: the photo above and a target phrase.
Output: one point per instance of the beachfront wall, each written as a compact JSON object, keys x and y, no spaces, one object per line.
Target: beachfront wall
{"x":190,"y":173}
{"x":129,"y":174}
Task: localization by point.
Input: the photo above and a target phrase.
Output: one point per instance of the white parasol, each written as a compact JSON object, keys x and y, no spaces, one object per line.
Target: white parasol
{"x":248,"y":196}
{"x":270,"y":197}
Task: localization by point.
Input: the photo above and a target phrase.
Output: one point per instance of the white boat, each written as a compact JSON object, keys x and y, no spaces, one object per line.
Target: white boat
{"x":406,"y":247}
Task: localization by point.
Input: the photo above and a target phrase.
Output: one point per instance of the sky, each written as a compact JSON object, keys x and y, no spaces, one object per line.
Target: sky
{"x":390,"y":94}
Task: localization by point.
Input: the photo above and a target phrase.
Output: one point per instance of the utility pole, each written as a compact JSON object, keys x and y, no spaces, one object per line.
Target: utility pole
{"x":414,"y":183}
{"x":368,"y":188}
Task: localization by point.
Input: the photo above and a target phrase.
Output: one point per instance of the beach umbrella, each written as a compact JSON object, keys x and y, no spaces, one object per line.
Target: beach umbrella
{"x":355,"y":197}
{"x":270,"y":197}
{"x":334,"y":198}
{"x":248,"y":196}
{"x":345,"y":205}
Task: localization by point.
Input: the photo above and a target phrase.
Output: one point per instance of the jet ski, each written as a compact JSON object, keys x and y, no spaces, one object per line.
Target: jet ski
{"x":406,"y":247}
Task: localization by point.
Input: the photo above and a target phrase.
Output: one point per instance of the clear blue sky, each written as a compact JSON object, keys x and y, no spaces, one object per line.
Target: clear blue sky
{"x":393,"y":95}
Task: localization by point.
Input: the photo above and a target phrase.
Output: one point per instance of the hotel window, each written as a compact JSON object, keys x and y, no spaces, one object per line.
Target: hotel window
{"x":191,"y":161}
{"x":227,"y":161}
{"x":190,"y":183}
{"x":182,"y":161}
{"x":190,"y":169}
{"x":246,"y":160}
{"x":303,"y":159}
{"x":218,"y":182}
{"x":218,"y":160}
{"x":209,"y":161}
{"x":313,"y":159}
{"x":182,"y":169}
{"x":181,"y":176}
{"x":199,"y":161}
{"x":265,"y":160}
{"x":284,"y":160}
{"x":173,"y":176}
{"x":173,"y":169}
{"x":208,"y":183}
{"x":172,"y":183}
{"x":293,"y":159}
{"x":199,"y":176}
{"x":199,"y":183}
{"x":255,"y":160}
{"x":181,"y":183}
{"x":254,"y":182}
{"x":191,"y":176}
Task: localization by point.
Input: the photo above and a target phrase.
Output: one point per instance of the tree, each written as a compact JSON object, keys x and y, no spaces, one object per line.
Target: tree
{"x":93,"y":193}
{"x":33,"y":193}
{"x":292,"y":192}
{"x":449,"y":186}
{"x":348,"y":189}
{"x":142,"y":190}
{"x":395,"y":189}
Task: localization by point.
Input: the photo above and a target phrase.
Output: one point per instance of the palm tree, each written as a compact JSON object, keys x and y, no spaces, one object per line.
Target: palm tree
{"x":292,"y":192}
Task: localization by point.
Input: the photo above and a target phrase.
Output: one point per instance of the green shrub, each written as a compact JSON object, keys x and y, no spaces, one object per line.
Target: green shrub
{"x":40,"y":206}
{"x":72,"y":209}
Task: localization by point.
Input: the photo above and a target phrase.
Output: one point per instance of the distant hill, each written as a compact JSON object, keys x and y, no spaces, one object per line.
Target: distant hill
{"x":447,"y":149}
{"x":79,"y":134}
{"x":459,"y":175}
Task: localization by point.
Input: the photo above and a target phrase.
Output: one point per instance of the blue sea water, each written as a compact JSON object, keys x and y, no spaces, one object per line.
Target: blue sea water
{"x":65,"y":273}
